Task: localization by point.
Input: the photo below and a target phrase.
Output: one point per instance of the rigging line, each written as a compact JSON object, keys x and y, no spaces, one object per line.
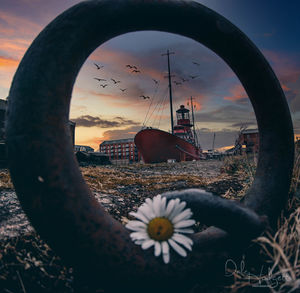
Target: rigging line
{"x":165,"y":92}
{"x":163,"y":105}
{"x":197,"y":129}
{"x":158,"y":106}
{"x":154,"y":95}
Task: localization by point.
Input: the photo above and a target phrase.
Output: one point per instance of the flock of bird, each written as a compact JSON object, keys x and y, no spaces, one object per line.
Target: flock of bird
{"x":135,"y":70}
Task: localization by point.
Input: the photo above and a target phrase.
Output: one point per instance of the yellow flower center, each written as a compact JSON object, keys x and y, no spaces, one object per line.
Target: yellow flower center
{"x":160,"y":229}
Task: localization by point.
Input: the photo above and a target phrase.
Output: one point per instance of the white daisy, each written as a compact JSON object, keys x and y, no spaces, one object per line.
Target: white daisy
{"x":162,"y":225}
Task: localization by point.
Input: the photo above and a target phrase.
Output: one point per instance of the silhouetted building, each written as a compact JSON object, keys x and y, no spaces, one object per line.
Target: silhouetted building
{"x":120,"y":149}
{"x":72,"y":129}
{"x":249,"y":138}
{"x":3,"y":105}
{"x":83,"y":148}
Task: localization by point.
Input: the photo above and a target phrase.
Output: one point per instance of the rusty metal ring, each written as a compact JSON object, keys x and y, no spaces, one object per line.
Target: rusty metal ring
{"x":44,"y":170}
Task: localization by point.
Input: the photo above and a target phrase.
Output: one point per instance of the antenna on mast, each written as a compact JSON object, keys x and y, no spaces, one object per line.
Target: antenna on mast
{"x":170,"y":88}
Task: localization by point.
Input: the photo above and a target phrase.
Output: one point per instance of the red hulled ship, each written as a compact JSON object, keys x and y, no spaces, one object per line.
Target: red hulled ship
{"x":158,"y":146}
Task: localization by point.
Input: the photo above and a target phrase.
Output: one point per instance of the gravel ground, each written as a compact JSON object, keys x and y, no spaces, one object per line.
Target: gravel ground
{"x":27,"y":263}
{"x":120,"y":198}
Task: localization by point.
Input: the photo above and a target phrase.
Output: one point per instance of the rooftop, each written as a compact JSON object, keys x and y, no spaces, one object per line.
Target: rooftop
{"x":117,"y":141}
{"x":249,"y":131}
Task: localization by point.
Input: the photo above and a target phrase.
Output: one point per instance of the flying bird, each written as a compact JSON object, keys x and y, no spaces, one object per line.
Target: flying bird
{"x":156,"y":82}
{"x":183,"y":79}
{"x":123,"y":90}
{"x":103,"y":85}
{"x":115,"y":81}
{"x":131,"y":66}
{"x":193,"y":76}
{"x":177,"y":82}
{"x":145,"y":97}
{"x":99,"y":79}
{"x":135,"y":71}
{"x":196,"y":63}
{"x":98,"y":66}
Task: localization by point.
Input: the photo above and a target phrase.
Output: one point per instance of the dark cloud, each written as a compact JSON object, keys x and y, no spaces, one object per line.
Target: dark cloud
{"x":92,"y":121}
{"x":211,"y":73}
{"x":244,"y":124}
{"x":227,"y":114}
{"x":223,"y":138}
{"x":120,"y":133}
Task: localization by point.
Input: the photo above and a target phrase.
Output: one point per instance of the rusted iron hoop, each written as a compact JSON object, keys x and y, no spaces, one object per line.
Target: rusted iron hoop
{"x":45,"y":173}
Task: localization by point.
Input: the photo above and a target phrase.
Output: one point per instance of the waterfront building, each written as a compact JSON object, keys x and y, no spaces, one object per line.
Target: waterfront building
{"x":249,"y":138}
{"x":120,"y":149}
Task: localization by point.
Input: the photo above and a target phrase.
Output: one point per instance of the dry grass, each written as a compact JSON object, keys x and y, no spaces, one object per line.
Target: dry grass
{"x":242,"y":167}
{"x":279,"y":250}
{"x":112,"y":178}
{"x":5,"y":181}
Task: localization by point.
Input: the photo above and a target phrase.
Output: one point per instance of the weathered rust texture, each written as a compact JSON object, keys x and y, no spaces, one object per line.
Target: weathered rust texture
{"x":61,"y":207}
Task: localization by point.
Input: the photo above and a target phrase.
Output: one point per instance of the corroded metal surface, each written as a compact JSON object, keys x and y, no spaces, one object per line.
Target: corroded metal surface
{"x":45,"y":173}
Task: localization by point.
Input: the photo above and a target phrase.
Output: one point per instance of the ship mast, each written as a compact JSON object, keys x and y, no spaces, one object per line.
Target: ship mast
{"x":213,"y":145}
{"x":194,"y":131}
{"x":170,"y":88}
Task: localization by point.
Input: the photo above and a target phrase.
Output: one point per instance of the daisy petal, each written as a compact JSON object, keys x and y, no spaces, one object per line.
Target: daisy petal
{"x":187,"y":231}
{"x":146,"y":211}
{"x":136,"y":225}
{"x":163,"y":207}
{"x":177,"y":248}
{"x":166,"y":258}
{"x":177,"y":210}
{"x":165,"y":247}
{"x":139,"y":236}
{"x":157,"y":248}
{"x":138,"y":242}
{"x":139,"y":216}
{"x":156,"y":205}
{"x":165,"y":251}
{"x":170,"y":208}
{"x":149,"y":202}
{"x":148,"y":243}
{"x":186,"y":214}
{"x":183,"y":240}
{"x":178,"y":236}
{"x":185,"y":223}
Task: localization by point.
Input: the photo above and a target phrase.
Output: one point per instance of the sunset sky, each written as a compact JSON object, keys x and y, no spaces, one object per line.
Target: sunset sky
{"x":222,"y":106}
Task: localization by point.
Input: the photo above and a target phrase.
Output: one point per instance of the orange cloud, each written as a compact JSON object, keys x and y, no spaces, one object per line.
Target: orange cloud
{"x":285,"y":88}
{"x":237,"y":92}
{"x":196,"y":104}
{"x":8,"y":62}
{"x":13,"y":25}
{"x":14,"y":47}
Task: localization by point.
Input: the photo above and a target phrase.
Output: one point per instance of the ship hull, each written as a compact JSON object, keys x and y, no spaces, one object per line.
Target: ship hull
{"x":157,"y":146}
